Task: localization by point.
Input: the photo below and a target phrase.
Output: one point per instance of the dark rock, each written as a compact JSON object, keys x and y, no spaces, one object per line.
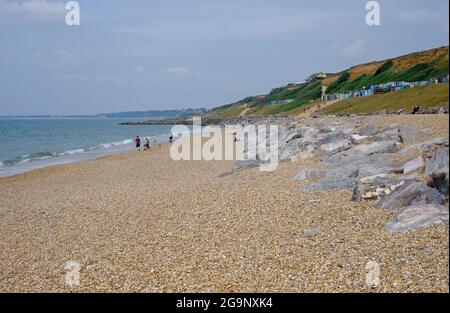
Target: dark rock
{"x":437,"y":170}
{"x":410,"y":193}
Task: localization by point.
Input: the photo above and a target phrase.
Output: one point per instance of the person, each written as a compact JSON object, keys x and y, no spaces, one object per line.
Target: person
{"x":138,"y":143}
{"x":147,"y":144}
{"x":170,"y":138}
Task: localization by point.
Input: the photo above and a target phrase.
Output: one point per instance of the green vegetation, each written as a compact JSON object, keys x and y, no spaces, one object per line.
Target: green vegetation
{"x":337,"y":85}
{"x":383,"y":68}
{"x":388,"y":72}
{"x":287,"y":107}
{"x":425,"y":97}
{"x":413,"y":67}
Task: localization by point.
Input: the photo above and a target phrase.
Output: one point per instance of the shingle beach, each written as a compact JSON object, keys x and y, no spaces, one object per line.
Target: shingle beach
{"x":141,"y":222}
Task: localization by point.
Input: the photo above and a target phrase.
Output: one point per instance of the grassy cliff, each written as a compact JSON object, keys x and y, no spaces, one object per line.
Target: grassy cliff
{"x":425,"y":97}
{"x":412,"y":67}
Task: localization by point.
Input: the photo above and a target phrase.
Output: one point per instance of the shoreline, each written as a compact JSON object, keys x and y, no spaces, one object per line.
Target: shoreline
{"x":141,"y":222}
{"x":73,"y":156}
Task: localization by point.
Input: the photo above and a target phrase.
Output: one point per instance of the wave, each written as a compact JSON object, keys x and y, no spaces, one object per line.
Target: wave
{"x":70,"y":152}
{"x":113,"y":144}
{"x":42,"y":155}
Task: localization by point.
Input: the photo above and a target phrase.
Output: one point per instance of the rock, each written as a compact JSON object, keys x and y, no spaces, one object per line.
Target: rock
{"x":363,"y":150}
{"x":240,"y":166}
{"x":302,"y":156}
{"x":328,"y":147}
{"x":410,"y":193}
{"x":357,"y":139}
{"x":413,"y":165}
{"x":331,"y":138}
{"x":289,"y":151}
{"x":377,"y":148}
{"x":417,"y":216}
{"x":389,"y":135}
{"x":369,"y":130}
{"x":327,"y":174}
{"x":436,"y":170}
{"x":410,"y":176}
{"x":308,"y":173}
{"x":409,"y":135}
{"x":372,"y":179}
{"x":330,"y":185}
{"x":369,"y":165}
{"x":379,"y":187}
{"x":309,"y":233}
{"x":424,"y":146}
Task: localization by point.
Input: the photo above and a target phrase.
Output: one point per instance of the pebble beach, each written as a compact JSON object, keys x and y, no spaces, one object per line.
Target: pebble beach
{"x":141,"y":222}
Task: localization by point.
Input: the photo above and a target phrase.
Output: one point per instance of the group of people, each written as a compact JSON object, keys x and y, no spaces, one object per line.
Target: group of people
{"x":137,"y":141}
{"x":155,"y":142}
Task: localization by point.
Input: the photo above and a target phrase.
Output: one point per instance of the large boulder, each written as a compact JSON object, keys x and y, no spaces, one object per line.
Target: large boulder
{"x":436,"y":170}
{"x":333,"y":146}
{"x":327,"y":174}
{"x":409,"y":135}
{"x":413,"y":165}
{"x":332,"y":137}
{"x":426,"y":145}
{"x":417,"y":216}
{"x":369,"y":130}
{"x":389,"y":135}
{"x":410,"y":193}
{"x":369,"y":165}
{"x":363,"y":150}
{"x":376,"y":188}
{"x":330,"y":185}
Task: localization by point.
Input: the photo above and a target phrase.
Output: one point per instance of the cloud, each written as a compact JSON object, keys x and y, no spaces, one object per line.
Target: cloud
{"x":178,"y":71}
{"x":32,"y":11}
{"x":352,"y":50}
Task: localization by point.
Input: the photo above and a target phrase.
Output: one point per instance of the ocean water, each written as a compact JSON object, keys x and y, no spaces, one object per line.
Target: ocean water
{"x":30,"y":143}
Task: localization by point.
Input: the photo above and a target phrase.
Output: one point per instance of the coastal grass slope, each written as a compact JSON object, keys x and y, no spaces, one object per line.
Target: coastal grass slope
{"x":416,"y":66}
{"x":425,"y":97}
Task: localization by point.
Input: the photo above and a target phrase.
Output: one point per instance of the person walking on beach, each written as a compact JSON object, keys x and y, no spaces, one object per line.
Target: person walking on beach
{"x":138,"y":143}
{"x":170,"y":138}
{"x":147,"y":144}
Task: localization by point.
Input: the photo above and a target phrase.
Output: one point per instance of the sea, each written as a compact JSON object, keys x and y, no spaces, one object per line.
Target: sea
{"x":30,"y":143}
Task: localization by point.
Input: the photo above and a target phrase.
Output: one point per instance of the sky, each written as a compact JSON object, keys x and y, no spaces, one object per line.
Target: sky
{"x":143,"y":54}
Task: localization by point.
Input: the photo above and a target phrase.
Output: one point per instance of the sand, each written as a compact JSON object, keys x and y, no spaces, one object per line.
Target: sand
{"x":140,"y":222}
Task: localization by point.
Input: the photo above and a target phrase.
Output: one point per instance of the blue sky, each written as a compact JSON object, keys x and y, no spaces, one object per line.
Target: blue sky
{"x":140,"y":54}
